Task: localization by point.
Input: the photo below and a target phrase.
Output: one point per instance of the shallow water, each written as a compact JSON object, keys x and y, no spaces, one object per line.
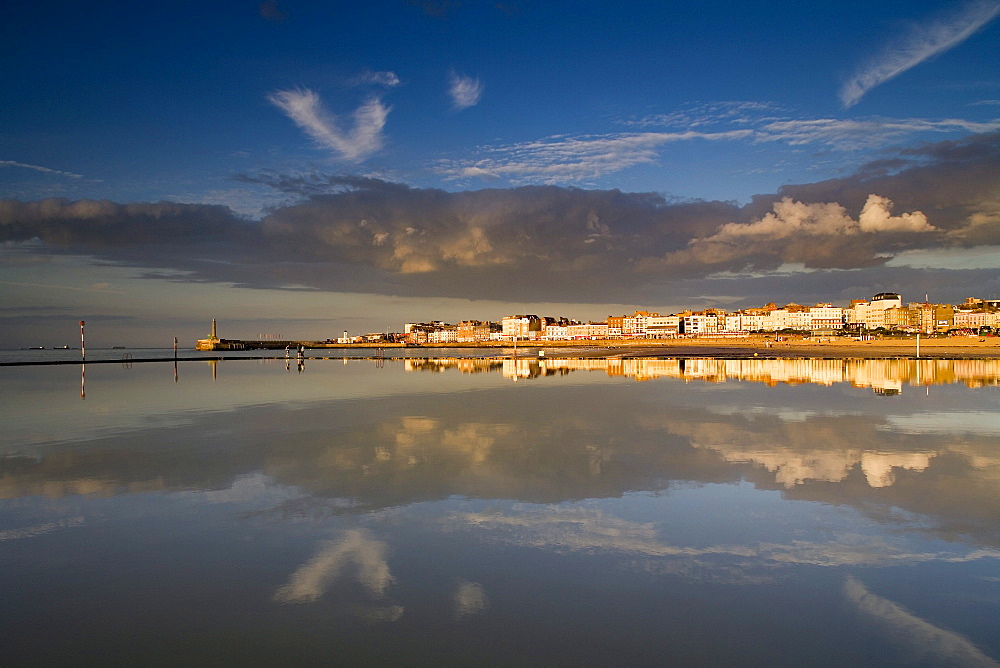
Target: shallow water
{"x":570,"y":512}
{"x":127,"y":355}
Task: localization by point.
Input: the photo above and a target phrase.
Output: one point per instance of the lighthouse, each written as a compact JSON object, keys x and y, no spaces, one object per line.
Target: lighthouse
{"x":211,"y":343}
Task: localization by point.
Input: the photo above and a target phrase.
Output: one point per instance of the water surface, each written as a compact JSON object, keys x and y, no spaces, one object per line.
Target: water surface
{"x":457,"y":511}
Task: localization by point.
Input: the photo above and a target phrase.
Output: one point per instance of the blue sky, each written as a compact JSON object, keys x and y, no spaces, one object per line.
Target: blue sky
{"x":309,"y":167}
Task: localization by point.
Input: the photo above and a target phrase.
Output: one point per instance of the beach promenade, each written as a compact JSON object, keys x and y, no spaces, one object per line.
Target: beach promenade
{"x":931,"y":348}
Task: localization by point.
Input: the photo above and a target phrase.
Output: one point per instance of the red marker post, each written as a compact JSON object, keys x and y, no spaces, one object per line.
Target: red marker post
{"x":83,"y":367}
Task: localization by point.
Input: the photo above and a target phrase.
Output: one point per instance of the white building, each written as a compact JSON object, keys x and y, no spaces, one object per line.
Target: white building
{"x":590,"y":330}
{"x":872,"y":315}
{"x":663,"y":326}
{"x":521,"y":326}
{"x":975,"y":319}
{"x":700,"y":324}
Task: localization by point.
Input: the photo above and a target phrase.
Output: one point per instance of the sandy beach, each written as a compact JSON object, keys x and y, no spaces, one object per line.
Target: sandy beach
{"x":930,"y":348}
{"x":952,"y":348}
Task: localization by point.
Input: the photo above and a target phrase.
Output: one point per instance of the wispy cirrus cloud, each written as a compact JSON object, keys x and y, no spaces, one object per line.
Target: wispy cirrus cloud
{"x":465,"y":91}
{"x":919,"y":641}
{"x":770,"y":122}
{"x":565,"y":159}
{"x":923,"y":42}
{"x":697,"y":115}
{"x":357,"y":547}
{"x":851,"y":134}
{"x":387,"y":79}
{"x":569,"y":530}
{"x":306,"y":109}
{"x":583,"y":159}
{"x":37,"y":168}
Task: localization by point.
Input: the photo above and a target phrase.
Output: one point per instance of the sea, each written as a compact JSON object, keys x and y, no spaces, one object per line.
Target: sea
{"x":454,"y":510}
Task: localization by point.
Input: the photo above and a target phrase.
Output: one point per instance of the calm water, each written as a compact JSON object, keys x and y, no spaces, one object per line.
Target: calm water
{"x":61,"y":355}
{"x":456,"y":512}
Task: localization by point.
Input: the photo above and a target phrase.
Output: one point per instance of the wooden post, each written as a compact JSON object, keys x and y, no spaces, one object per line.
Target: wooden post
{"x":83,"y":347}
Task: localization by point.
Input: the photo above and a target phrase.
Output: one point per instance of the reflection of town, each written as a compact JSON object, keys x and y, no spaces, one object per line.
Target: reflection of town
{"x":884,"y":376}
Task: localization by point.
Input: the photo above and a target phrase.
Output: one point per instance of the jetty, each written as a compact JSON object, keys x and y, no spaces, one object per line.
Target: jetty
{"x":213,"y":342}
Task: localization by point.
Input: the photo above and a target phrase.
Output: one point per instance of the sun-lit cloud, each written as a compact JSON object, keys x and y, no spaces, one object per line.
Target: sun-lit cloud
{"x":465,"y":91}
{"x":306,"y":109}
{"x":921,"y":43}
{"x":815,"y":234}
{"x":545,"y":243}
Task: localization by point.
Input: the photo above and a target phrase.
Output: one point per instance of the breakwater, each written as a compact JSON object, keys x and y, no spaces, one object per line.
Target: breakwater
{"x":245,"y":344}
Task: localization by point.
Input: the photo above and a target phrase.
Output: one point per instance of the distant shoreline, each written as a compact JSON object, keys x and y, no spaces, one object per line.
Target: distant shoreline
{"x":767,"y":347}
{"x":723,"y":348}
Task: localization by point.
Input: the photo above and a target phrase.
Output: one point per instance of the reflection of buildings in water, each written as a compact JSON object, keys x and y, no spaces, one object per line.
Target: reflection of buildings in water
{"x":884,"y":376}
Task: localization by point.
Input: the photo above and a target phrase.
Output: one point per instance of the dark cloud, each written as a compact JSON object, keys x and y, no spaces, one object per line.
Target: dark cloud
{"x":956,"y":184}
{"x":96,"y":224}
{"x":838,"y":286}
{"x":546,"y":243}
{"x":817,"y":235}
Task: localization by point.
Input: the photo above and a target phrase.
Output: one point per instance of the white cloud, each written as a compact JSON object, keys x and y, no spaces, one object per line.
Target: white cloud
{"x":465,"y":91}
{"x":583,"y":159}
{"x":849,"y":135}
{"x":918,"y":640}
{"x":876,"y":216}
{"x":306,"y":110}
{"x":44,"y":170}
{"x":792,"y":219}
{"x":816,"y":234}
{"x":358,"y":547}
{"x":582,"y":530}
{"x":739,"y":112}
{"x":39,"y":529}
{"x":470,"y":599}
{"x":922,"y":43}
{"x":561,"y":158}
{"x":387,"y":79}
{"x":770,"y":122}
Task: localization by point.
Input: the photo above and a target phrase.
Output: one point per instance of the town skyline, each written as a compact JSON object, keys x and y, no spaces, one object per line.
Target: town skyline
{"x":297,"y":167}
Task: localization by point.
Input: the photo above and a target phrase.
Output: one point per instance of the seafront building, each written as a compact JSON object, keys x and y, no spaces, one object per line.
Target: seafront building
{"x":884,"y":312}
